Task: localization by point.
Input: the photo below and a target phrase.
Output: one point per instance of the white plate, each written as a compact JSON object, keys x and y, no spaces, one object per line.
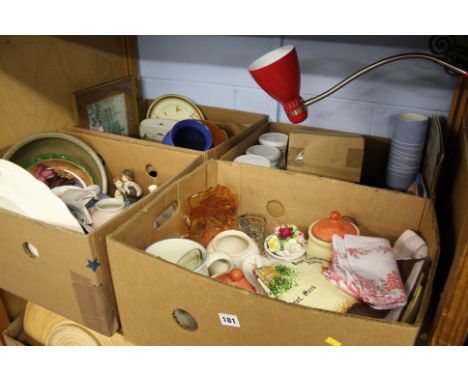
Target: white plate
{"x":22,"y":193}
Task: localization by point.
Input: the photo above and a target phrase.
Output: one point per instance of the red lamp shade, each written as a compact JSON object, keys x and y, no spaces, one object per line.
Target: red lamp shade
{"x":278,"y":74}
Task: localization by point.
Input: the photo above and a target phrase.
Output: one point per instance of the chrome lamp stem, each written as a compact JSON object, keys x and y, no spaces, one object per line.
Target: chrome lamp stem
{"x":384,"y":61}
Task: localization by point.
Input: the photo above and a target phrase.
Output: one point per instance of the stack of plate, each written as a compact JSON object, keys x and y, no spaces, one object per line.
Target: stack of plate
{"x":47,"y":328}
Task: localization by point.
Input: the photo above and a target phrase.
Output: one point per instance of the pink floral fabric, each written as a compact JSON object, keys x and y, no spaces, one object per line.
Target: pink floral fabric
{"x":365,"y":268}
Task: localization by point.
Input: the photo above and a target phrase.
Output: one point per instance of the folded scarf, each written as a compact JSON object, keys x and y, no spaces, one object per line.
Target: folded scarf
{"x":365,"y":268}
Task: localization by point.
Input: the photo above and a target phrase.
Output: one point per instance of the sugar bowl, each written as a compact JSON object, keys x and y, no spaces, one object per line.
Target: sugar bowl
{"x":321,"y":232}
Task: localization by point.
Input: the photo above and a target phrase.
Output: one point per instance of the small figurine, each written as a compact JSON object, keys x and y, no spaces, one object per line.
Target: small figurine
{"x":132,"y":190}
{"x":119,"y":189}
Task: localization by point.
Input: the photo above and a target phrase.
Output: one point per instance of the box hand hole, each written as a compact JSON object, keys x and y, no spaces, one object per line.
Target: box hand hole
{"x":151,"y":171}
{"x":30,"y":250}
{"x":167,"y":214}
{"x":275,"y":208}
{"x":184,"y":319}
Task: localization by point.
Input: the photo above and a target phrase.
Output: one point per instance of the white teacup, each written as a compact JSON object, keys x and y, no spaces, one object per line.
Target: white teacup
{"x":234,"y":242}
{"x":192,"y":255}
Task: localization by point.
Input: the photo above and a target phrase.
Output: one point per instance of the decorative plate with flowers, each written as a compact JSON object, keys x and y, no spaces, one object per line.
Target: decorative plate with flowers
{"x":286,"y":243}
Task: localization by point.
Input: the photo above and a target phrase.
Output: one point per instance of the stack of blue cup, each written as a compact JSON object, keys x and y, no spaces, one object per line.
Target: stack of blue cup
{"x":406,"y":151}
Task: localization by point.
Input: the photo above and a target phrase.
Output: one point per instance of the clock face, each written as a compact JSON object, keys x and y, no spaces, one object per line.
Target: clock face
{"x":174,"y":107}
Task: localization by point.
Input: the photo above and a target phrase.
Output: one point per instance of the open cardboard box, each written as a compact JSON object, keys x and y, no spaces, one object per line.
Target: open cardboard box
{"x":375,"y":153}
{"x":148,"y":289}
{"x":13,"y":334}
{"x":59,"y":279}
{"x":238,"y":124}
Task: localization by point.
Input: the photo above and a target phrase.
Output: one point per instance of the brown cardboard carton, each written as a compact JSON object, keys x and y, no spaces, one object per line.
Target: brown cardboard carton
{"x":13,"y":335}
{"x":238,"y":125}
{"x":332,"y":154}
{"x":149,"y":290}
{"x":59,"y":279}
{"x":374,"y":161}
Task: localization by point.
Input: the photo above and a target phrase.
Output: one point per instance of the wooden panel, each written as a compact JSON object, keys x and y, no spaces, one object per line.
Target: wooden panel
{"x":450,"y":325}
{"x":4,"y":319}
{"x":39,"y":73}
{"x":457,"y":110}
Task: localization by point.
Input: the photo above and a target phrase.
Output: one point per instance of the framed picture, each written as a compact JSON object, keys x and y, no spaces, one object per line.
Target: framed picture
{"x":110,"y":107}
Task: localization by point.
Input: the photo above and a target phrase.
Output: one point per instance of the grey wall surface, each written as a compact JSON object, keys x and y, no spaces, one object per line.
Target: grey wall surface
{"x":212,"y":70}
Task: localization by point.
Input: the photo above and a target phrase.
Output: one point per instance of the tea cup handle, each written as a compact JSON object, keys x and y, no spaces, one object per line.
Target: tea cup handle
{"x":223,"y":258}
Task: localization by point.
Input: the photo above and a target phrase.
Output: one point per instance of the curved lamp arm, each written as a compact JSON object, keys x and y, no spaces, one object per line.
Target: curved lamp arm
{"x":384,"y":61}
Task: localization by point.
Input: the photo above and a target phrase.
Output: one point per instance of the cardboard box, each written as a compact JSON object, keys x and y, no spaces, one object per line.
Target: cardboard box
{"x":14,"y":335}
{"x":60,"y":279}
{"x":334,"y":154}
{"x":238,"y":124}
{"x":148,"y":289}
{"x":374,"y":161}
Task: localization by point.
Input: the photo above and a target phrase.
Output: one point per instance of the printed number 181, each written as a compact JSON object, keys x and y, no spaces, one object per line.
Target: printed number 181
{"x":229,"y":320}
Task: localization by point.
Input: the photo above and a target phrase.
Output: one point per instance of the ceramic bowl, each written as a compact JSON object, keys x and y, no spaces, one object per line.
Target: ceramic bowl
{"x":279,"y":140}
{"x":273,"y":154}
{"x":219,"y":135}
{"x":236,"y":243}
{"x":59,"y":144}
{"x":255,"y":160}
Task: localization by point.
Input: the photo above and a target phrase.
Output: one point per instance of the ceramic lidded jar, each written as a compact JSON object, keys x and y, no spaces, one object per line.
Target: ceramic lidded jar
{"x":322,"y":231}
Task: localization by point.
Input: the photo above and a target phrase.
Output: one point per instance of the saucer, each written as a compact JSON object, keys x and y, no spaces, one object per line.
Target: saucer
{"x":59,"y":170}
{"x":283,"y":258}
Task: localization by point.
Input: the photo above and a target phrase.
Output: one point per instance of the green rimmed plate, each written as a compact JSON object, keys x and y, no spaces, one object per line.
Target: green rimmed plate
{"x":72,"y":153}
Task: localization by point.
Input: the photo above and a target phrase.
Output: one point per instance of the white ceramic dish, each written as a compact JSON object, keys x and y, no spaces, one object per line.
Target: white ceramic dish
{"x":278,"y":140}
{"x":273,"y":154}
{"x":22,"y":193}
{"x":255,"y":160}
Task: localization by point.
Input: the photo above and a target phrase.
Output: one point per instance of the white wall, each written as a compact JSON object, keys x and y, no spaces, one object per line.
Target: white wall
{"x":211,"y":70}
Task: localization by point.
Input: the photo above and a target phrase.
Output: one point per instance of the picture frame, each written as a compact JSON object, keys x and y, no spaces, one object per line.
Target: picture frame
{"x":110,"y":107}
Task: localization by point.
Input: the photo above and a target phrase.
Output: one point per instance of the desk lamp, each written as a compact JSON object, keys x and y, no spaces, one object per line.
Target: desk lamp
{"x":278,"y":74}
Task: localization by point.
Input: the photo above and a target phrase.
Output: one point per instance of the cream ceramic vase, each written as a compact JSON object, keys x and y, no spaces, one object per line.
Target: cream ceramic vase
{"x":322,"y":231}
{"x":105,"y":210}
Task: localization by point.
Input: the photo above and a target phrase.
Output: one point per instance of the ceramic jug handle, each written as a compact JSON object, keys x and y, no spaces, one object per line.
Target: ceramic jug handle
{"x":213,"y":257}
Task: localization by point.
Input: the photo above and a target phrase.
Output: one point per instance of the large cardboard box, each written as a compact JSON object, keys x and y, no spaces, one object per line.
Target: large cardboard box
{"x":60,"y":278}
{"x":374,"y":162}
{"x":238,"y":124}
{"x":149,"y":289}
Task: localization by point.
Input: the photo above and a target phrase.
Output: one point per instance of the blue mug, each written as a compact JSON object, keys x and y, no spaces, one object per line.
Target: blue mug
{"x":190,"y":134}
